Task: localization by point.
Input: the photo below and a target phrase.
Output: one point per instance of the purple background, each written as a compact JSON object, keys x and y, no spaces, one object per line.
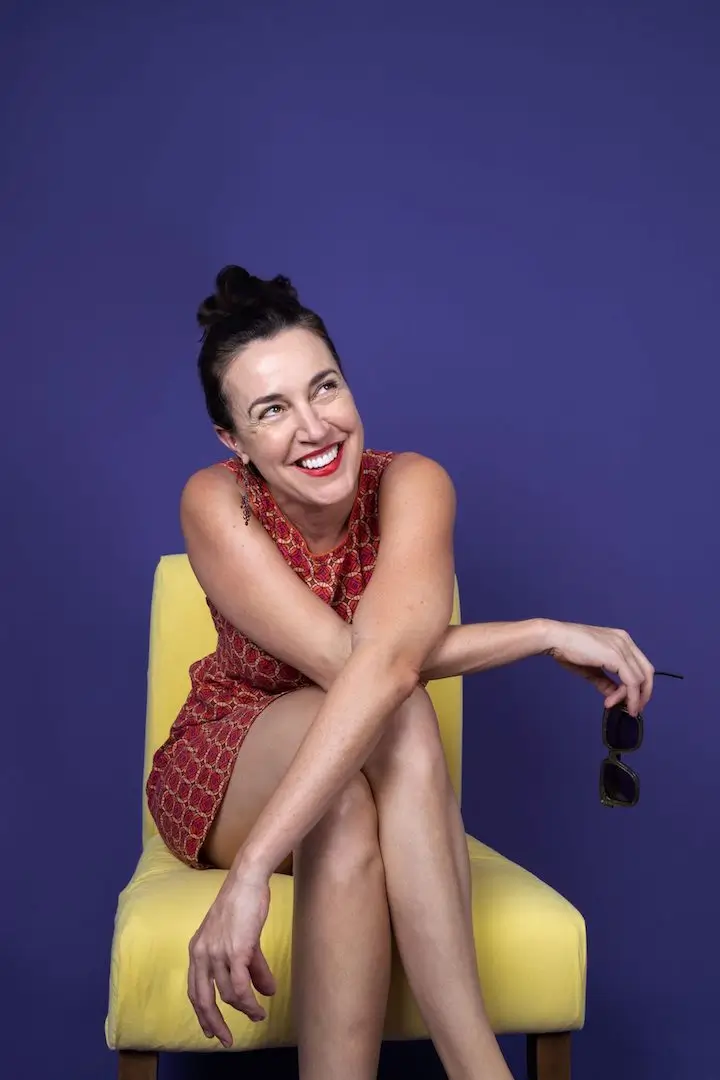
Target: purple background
{"x":508,"y":215}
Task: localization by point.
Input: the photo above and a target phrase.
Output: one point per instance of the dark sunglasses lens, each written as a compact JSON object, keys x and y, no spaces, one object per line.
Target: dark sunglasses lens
{"x":622,"y":730}
{"x":618,"y":784}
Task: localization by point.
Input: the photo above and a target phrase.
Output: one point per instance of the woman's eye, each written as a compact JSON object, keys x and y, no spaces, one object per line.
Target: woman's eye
{"x":330,"y":384}
{"x":267,"y":414}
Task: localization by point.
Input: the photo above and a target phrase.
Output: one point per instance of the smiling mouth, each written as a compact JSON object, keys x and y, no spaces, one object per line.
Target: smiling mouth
{"x":323,"y":462}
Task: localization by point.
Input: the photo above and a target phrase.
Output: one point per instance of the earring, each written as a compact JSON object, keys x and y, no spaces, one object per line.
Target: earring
{"x":244,"y":501}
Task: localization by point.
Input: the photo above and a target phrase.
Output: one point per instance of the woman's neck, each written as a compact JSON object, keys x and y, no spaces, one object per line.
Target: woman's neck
{"x":322,"y":527}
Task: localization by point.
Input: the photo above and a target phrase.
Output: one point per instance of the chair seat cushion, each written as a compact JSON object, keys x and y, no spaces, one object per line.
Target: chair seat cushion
{"x":530,"y":945}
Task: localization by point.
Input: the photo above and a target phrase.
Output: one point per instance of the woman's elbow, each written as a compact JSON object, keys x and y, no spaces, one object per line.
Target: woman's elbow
{"x":400,"y":677}
{"x":387,"y":664}
{"x":392,"y":663}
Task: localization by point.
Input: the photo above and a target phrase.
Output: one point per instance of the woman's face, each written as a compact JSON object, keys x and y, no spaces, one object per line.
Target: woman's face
{"x":295,"y":418}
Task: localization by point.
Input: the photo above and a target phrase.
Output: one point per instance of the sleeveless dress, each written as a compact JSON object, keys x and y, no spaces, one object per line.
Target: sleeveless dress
{"x":231,"y":687}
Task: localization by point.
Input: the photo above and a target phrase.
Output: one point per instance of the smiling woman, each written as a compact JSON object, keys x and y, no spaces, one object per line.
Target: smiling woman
{"x":307,"y":734}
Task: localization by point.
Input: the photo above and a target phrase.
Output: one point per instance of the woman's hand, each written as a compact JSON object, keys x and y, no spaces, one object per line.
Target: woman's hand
{"x":593,"y":651}
{"x":225,"y":952}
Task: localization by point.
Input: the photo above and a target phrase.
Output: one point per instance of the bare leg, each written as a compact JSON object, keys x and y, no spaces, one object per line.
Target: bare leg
{"x":341,"y":935}
{"x":341,"y":941}
{"x":422,"y":840}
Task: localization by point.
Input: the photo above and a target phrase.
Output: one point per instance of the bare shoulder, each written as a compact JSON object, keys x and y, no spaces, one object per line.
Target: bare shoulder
{"x":211,"y":489}
{"x":413,"y":475}
{"x":409,"y":598}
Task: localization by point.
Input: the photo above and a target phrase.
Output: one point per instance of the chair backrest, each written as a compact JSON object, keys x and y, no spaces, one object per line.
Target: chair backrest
{"x":182,"y":631}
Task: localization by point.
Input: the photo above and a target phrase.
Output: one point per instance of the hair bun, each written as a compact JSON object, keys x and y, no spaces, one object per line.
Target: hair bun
{"x":238,"y":291}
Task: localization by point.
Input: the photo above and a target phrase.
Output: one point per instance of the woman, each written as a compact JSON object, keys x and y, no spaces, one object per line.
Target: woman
{"x":329,"y":572}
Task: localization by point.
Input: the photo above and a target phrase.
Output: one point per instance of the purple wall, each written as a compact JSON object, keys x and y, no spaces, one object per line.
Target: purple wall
{"x":508,"y":215}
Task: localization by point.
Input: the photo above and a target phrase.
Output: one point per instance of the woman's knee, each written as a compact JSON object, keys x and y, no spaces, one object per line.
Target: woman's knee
{"x":346,"y":837}
{"x":412,"y":744}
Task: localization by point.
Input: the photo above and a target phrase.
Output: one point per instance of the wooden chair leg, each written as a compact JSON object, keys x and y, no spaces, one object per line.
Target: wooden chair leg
{"x":548,"y":1056}
{"x":137,"y":1065}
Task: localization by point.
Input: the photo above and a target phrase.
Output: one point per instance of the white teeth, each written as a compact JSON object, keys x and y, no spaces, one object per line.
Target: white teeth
{"x":321,"y":460}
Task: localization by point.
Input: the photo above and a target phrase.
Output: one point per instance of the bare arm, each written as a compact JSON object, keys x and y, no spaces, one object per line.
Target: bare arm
{"x":243,"y":573}
{"x":241,"y":570}
{"x":405,"y":610}
{"x":589,"y":651}
{"x":473,"y":647}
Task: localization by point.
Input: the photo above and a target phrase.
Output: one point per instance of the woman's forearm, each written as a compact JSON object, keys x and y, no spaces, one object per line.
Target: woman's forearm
{"x":349,"y":724}
{"x":464,"y":650}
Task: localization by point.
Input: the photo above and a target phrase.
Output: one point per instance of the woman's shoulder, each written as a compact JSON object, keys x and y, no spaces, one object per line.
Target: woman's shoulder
{"x":212,"y":482}
{"x":409,"y":463}
{"x":409,"y":475}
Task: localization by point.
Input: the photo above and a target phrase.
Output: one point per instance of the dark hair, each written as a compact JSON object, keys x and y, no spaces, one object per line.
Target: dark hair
{"x":243,"y":309}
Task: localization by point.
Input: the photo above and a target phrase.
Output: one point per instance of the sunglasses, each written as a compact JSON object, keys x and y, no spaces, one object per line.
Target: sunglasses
{"x":622,"y":734}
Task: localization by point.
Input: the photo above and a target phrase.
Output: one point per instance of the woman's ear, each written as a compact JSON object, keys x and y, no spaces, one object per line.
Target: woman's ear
{"x":228,"y":440}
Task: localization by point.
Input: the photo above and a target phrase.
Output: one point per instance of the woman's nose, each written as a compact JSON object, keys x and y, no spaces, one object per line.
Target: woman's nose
{"x":312,"y":425}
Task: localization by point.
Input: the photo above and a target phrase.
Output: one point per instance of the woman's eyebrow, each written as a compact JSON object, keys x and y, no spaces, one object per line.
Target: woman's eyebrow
{"x":267,"y":399}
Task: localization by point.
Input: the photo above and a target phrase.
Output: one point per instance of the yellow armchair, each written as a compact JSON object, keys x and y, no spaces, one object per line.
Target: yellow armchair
{"x":530,"y":942}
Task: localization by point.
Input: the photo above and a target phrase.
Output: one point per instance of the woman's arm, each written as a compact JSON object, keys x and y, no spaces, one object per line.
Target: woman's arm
{"x":244,"y":575}
{"x":473,"y":647}
{"x":242,"y":572}
{"x":589,"y":651}
{"x":405,"y":610}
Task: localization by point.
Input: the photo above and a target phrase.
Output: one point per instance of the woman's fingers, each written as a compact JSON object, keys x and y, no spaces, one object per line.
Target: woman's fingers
{"x":222,"y":955}
{"x":192,"y":994}
{"x":616,"y":697}
{"x":262,"y":977}
{"x":632,"y":677}
{"x":600,"y":680}
{"x":648,"y":675}
{"x":595,"y":651}
{"x":201,"y":988}
{"x":642,"y":670}
{"x":235,"y":989}
{"x":594,"y":675}
{"x":640,"y":680}
{"x":239,"y":987}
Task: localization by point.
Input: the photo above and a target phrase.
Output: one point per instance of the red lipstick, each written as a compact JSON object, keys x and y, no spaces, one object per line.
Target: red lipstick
{"x":326,"y":470}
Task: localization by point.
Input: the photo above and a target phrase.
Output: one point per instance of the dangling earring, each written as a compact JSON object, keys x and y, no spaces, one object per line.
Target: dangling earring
{"x":244,"y":501}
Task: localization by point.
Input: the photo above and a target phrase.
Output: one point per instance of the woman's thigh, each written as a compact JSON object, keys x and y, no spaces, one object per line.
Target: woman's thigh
{"x":264,"y":757}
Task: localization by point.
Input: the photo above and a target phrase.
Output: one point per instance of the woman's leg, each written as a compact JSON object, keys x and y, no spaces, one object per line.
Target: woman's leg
{"x":341,"y":934}
{"x":341,"y":941}
{"x":427,"y":874}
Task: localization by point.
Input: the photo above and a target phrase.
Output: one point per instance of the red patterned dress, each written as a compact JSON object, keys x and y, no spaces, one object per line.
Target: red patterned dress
{"x":231,"y":687}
